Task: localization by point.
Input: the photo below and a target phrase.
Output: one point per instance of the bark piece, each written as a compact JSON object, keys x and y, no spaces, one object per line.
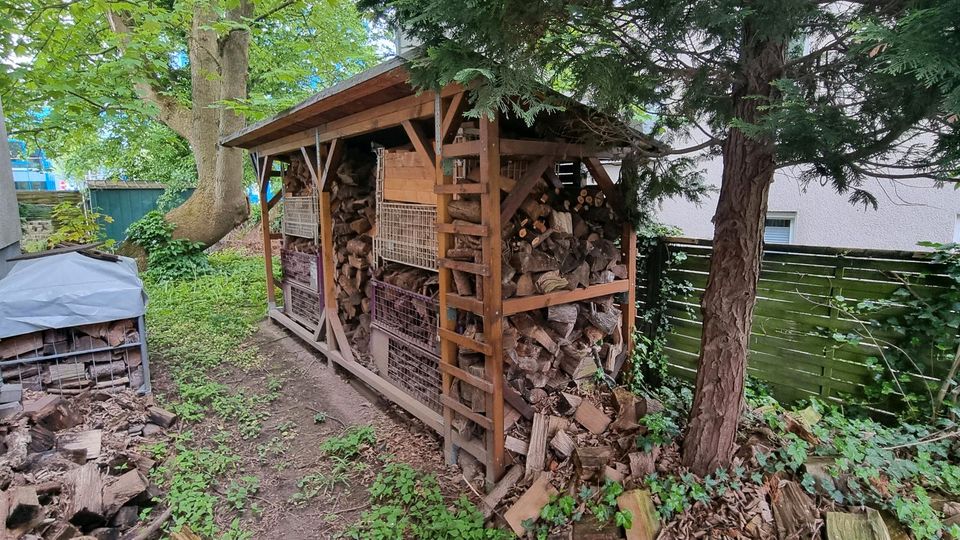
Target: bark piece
{"x":500,"y":490}
{"x":23,"y":507}
{"x":529,"y":504}
{"x":85,"y":502}
{"x":645,"y":524}
{"x":161,"y":417}
{"x":551,"y":281}
{"x":794,"y":514}
{"x":592,"y":418}
{"x":591,"y":461}
{"x":85,"y":443}
{"x":848,"y":526}
{"x":563,"y":313}
{"x":537,"y":448}
{"x":128,"y":487}
{"x":563,"y":444}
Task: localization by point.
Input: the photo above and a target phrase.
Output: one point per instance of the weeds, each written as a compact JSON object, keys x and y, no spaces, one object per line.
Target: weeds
{"x":350,"y":444}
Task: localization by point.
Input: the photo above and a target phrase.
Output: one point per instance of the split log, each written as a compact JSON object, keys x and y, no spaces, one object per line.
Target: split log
{"x":85,"y":443}
{"x":161,"y":417}
{"x":563,"y":444}
{"x":645,"y":524}
{"x":23,"y":507}
{"x":84,"y":506}
{"x":591,"y":461}
{"x":500,"y":490}
{"x":127,"y":488}
{"x":464,"y":209}
{"x":529,"y":504}
{"x":793,"y":512}
{"x":592,"y":418}
{"x":537,"y":448}
{"x":849,"y":526}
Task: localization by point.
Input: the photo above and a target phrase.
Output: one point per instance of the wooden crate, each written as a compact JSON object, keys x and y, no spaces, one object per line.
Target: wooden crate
{"x":405,"y":179}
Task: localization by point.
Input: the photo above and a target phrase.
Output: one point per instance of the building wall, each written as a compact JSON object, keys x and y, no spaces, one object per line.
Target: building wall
{"x":9,"y":213}
{"x":908,"y":212}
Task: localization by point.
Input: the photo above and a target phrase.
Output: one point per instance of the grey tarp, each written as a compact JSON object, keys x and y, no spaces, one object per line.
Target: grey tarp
{"x":71,"y":289}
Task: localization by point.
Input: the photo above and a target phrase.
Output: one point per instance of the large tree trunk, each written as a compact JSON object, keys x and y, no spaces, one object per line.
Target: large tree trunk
{"x":727,"y":305}
{"x":218,"y":69}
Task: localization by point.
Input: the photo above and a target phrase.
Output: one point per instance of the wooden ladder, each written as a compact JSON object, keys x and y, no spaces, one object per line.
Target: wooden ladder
{"x":490,"y":451}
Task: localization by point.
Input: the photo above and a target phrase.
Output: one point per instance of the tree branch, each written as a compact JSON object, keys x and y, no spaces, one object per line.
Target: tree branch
{"x":171,"y":112}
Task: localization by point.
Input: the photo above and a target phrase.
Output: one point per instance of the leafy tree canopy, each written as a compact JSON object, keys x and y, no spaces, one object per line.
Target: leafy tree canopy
{"x":869,"y":88}
{"x":70,"y":80}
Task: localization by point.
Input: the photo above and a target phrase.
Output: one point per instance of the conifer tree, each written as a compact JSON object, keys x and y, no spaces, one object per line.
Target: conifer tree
{"x":841,"y":90}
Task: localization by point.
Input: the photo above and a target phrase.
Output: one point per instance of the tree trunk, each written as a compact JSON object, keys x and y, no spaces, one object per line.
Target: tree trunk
{"x":219,"y":202}
{"x":727,"y":305}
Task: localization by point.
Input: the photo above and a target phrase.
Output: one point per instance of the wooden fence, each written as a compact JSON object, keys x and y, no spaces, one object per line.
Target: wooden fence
{"x":791,"y":348}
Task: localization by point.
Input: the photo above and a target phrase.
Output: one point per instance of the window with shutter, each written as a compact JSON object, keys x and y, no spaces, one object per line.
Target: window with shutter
{"x":778,"y":229}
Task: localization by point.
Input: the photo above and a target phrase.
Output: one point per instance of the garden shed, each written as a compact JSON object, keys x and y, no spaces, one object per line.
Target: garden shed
{"x":463,"y":268}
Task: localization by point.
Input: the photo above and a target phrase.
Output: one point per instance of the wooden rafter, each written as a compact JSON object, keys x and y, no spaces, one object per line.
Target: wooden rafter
{"x":523,"y":188}
{"x":420,"y":143}
{"x":606,"y":184}
{"x":334,"y":153}
{"x":453,"y":118}
{"x":309,"y":160}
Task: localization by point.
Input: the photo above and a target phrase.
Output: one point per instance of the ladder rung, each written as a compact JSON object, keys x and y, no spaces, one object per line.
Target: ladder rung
{"x":465,"y":342}
{"x":460,"y":189}
{"x":463,"y":266}
{"x":463,"y":228}
{"x":467,"y":377}
{"x":465,"y":303}
{"x":473,"y":447}
{"x":462,"y":409}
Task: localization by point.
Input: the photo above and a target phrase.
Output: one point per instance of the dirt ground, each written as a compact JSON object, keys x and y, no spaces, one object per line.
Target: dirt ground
{"x":287,"y":450}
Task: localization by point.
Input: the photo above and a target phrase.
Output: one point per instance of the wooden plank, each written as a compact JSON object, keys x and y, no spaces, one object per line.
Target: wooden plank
{"x":628,"y":254}
{"x":501,"y":489}
{"x":529,"y":504}
{"x":512,"y":306}
{"x":462,"y":228}
{"x":492,"y":282}
{"x":472,"y":268}
{"x":379,"y":117}
{"x":426,"y":415}
{"x":645,"y":524}
{"x":462,"y":149}
{"x":465,"y":342}
{"x":462,"y":409}
{"x":469,"y":378}
{"x":461,"y":189}
{"x":265,"y":232}
{"x":286,"y":143}
{"x":537,"y":448}
{"x":518,"y":147}
{"x":464,"y":303}
{"x":420,"y":143}
{"x":522,"y":190}
{"x":472,"y":446}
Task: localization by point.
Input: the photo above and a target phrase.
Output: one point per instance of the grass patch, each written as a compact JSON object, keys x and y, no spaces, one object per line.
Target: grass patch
{"x":197,"y":327}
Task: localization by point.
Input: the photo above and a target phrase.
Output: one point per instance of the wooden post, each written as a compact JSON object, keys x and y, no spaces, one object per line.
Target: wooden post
{"x":265,"y":229}
{"x":328,"y":258}
{"x":448,"y":316}
{"x":492,"y":290}
{"x":628,"y":251}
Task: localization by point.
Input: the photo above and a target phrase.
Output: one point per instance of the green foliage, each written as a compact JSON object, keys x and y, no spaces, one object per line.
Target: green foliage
{"x":240,"y":490}
{"x":196,"y":326}
{"x":926,"y":339}
{"x":168,"y":259}
{"x":408,"y":504}
{"x":74,"y":224}
{"x":70,"y":79}
{"x":350,"y":444}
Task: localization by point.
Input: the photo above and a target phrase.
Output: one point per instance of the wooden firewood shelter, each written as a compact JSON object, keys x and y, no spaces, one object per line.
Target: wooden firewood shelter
{"x":449,"y":165}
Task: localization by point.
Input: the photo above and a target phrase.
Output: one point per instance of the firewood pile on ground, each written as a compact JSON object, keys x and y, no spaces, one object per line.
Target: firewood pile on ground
{"x":70,"y":465}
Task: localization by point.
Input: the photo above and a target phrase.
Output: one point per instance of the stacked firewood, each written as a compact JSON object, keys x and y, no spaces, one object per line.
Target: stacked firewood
{"x":72,"y":466}
{"x":297,"y":181}
{"x":410,"y":278}
{"x":303,"y":245}
{"x":353,"y":210}
{"x":111,"y":366}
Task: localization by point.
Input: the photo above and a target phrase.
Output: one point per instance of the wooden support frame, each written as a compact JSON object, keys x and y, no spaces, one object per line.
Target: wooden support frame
{"x":606,"y":184}
{"x":334,"y":154}
{"x":524,"y":187}
{"x":264,"y":177}
{"x":420,"y":144}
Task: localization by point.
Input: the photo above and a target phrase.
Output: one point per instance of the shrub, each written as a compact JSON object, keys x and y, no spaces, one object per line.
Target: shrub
{"x":168,"y":259}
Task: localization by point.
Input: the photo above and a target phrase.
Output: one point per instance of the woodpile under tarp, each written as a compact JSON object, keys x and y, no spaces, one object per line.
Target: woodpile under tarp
{"x":71,"y":465}
{"x":353,"y":208}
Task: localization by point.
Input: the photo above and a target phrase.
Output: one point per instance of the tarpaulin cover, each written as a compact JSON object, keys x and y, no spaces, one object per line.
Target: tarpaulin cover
{"x":71,"y":289}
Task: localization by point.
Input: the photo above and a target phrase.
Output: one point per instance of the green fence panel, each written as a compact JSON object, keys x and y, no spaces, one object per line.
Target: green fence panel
{"x":126,"y":204}
{"x":790,"y":347}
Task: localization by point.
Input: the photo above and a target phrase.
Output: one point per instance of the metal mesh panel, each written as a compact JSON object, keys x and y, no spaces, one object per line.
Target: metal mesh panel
{"x":406,"y":314}
{"x":302,"y":268}
{"x":416,"y":371}
{"x":300,"y":216}
{"x":69,"y":361}
{"x":302,"y":304}
{"x":406,"y":233}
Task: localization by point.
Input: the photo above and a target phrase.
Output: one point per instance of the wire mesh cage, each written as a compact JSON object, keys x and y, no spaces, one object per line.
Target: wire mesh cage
{"x":103,"y":356}
{"x":302,"y":268}
{"x":302,"y":304}
{"x":300,"y":216}
{"x":410,"y":316}
{"x":416,"y":371}
{"x":406,"y":233}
